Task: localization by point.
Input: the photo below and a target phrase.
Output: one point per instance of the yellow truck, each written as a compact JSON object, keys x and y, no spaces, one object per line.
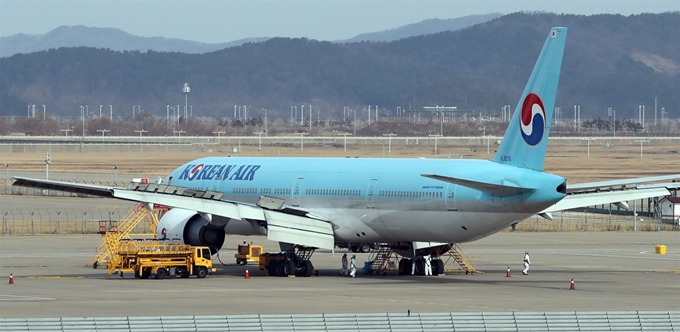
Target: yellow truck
{"x":161,"y":258}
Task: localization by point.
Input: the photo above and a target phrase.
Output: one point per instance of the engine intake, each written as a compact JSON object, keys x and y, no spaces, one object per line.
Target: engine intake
{"x":191,"y":228}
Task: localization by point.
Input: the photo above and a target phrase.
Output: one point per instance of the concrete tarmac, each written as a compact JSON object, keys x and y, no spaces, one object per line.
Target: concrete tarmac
{"x":612,"y":271}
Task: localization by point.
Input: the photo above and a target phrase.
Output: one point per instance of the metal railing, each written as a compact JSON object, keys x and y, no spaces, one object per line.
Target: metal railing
{"x":667,"y":321}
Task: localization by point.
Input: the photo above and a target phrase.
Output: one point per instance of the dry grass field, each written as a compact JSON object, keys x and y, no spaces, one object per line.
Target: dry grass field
{"x":567,"y":158}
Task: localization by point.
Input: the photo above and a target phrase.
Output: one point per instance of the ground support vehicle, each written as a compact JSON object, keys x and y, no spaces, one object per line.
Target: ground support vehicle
{"x":289,"y":263}
{"x":160,"y":259}
{"x":248,"y":252}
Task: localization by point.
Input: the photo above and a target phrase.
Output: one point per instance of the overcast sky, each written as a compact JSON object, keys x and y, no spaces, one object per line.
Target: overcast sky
{"x":227,"y":20}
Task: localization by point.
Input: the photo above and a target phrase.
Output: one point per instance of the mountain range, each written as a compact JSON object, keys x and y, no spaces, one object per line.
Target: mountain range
{"x":610,"y":61}
{"x":118,"y":40}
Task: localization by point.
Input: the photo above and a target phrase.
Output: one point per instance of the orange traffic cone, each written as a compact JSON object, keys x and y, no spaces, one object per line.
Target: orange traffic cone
{"x":572,"y":287}
{"x":247,"y":275}
{"x":508,"y":274}
{"x":11,"y":279}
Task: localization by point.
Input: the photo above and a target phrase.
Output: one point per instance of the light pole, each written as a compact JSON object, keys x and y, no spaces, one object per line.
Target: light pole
{"x":48,"y":160}
{"x":100,"y":110}
{"x":186,"y":90}
{"x":82,"y":117}
{"x":355,"y":123}
{"x":6,"y":177}
{"x":265,"y":122}
{"x":115,"y":174}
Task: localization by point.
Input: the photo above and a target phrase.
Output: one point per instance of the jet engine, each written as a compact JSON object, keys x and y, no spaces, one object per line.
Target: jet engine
{"x":191,"y":228}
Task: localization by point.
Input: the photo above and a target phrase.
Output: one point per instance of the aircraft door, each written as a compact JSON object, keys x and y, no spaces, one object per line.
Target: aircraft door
{"x":370,"y":193}
{"x":451,"y":197}
{"x":296,"y":192}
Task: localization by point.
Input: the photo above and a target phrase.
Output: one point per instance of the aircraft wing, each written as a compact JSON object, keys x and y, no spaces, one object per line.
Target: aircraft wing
{"x":284,"y":223}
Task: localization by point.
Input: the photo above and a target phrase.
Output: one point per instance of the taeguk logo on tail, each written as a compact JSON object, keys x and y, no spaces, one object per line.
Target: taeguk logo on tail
{"x":532,"y":119}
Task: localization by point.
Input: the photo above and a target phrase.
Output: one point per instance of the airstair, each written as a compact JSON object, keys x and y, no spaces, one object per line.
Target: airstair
{"x":113,"y":232}
{"x":458,"y":255}
{"x":384,"y":260}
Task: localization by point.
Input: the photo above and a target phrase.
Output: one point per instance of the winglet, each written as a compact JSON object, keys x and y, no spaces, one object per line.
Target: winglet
{"x":526,"y":139}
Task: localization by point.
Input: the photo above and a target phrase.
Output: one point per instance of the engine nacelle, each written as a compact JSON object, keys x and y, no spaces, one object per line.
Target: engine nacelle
{"x":191,"y":228}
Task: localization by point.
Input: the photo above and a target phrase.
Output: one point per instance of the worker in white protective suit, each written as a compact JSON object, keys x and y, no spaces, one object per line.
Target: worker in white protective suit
{"x":527,"y":263}
{"x":353,"y":266}
{"x":428,"y":265}
{"x":344,"y":270}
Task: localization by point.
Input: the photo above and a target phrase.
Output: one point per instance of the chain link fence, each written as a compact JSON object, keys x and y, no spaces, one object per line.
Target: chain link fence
{"x":61,"y":221}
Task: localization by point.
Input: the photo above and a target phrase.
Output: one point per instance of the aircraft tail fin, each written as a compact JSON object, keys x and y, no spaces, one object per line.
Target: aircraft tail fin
{"x":526,"y":139}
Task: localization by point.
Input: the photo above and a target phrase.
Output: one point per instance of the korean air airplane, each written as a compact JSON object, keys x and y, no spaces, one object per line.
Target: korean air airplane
{"x":415,"y":204}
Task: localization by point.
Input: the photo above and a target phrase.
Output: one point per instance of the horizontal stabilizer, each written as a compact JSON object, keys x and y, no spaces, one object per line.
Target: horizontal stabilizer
{"x":590,"y":199}
{"x":624,"y":183}
{"x":499,"y":190}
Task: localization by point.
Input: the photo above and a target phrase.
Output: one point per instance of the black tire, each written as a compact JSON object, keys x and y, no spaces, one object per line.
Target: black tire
{"x":146,"y":273}
{"x":306,"y":269}
{"x":365,"y":247}
{"x":201,"y":272}
{"x":95,"y":264}
{"x":376,"y":246}
{"x":288,"y":268}
{"x":271,"y":268}
{"x":137,"y":275}
{"x":437,"y":267}
{"x":354,"y":248}
{"x":183,"y":272}
{"x":405,"y":266}
{"x":160,"y":273}
{"x":241,"y":261}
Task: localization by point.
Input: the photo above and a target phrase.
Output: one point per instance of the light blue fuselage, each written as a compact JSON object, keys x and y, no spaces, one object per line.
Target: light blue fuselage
{"x":379,"y":200}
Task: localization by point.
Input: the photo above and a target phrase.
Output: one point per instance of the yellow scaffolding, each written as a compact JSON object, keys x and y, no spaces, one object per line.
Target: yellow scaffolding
{"x":457,"y":254}
{"x":114,"y":232}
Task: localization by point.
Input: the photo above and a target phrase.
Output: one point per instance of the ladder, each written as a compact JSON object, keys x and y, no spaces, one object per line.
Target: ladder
{"x":460,"y":256}
{"x":107,"y":250}
{"x":384,"y":260}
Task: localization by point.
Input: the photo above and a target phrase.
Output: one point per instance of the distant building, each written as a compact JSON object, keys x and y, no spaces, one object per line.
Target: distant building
{"x":670,"y":210}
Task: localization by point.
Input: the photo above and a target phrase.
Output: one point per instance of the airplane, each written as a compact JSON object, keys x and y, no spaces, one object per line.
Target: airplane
{"x":415,"y":205}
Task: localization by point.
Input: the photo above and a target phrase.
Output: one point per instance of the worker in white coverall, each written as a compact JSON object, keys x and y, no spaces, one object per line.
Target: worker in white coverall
{"x":428,"y":265}
{"x":344,"y":270}
{"x":527,"y":263}
{"x":353,"y":266}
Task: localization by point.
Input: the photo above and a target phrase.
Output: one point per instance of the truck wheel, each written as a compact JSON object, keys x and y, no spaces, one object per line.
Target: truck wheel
{"x":365,"y":247}
{"x":160,"y":273}
{"x":146,"y":273}
{"x":201,"y":272}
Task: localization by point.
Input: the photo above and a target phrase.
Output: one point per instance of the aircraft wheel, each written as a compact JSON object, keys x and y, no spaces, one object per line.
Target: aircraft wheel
{"x":307,"y":269}
{"x":365,"y":247}
{"x":288,"y":268}
{"x":437,"y":267}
